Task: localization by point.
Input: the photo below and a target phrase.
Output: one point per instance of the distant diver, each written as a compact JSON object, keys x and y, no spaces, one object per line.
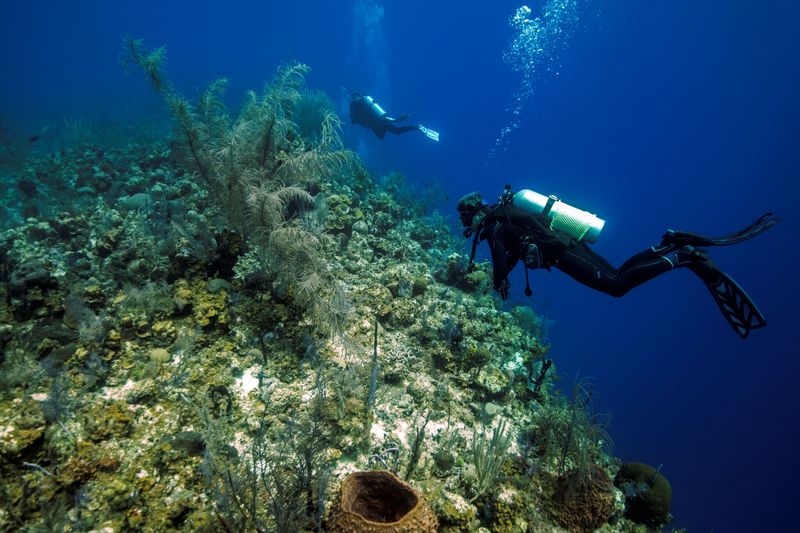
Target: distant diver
{"x":35,"y":137}
{"x":365,"y":111}
{"x":544,"y":232}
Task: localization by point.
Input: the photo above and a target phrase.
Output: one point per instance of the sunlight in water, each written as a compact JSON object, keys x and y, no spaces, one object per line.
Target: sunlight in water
{"x":368,"y":46}
{"x":367,"y":68}
{"x":533,"y":50}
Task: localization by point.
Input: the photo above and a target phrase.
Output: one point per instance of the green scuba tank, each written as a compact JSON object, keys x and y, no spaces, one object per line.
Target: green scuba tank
{"x":573,"y":221}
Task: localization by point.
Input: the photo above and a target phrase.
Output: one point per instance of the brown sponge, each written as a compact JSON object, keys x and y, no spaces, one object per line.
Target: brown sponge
{"x":377,"y":501}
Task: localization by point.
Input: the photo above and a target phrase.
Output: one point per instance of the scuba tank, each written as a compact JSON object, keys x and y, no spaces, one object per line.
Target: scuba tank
{"x":575,"y":222}
{"x":374,"y":105}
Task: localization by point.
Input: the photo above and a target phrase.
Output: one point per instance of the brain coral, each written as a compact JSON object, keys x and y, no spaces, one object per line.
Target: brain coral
{"x":648,"y":494}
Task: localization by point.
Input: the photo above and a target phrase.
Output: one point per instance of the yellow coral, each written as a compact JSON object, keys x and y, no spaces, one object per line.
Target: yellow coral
{"x":207,"y":308}
{"x":507,"y":509}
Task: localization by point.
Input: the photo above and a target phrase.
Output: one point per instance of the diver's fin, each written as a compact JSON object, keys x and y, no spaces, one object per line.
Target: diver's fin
{"x":433,"y":135}
{"x":735,"y":304}
{"x":682,"y":238}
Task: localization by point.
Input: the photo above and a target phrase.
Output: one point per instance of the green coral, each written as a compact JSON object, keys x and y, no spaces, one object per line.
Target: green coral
{"x":488,"y":456}
{"x":377,"y":300}
{"x":111,"y":420}
{"x":454,"y":512}
{"x":341,"y":214}
{"x":494,"y":382}
{"x":22,"y":424}
{"x":116,"y":493}
{"x":508,"y":512}
{"x":404,"y":312}
{"x":528,"y":320}
{"x":85,"y":462}
{"x":208,"y":309}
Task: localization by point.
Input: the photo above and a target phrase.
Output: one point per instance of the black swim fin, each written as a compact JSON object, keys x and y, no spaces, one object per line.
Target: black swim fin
{"x":676,"y":239}
{"x":737,"y":307}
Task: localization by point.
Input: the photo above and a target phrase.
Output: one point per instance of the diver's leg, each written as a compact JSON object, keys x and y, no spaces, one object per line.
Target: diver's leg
{"x":647,"y":265}
{"x":652,"y":253}
{"x":582,"y":264}
{"x":585,"y":266}
{"x":397,"y":130}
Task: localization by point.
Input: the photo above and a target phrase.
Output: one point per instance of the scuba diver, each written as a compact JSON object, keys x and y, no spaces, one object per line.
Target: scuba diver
{"x":544,"y":232}
{"x":365,"y":111}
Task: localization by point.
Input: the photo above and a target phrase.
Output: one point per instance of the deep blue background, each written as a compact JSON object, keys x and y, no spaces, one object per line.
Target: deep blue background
{"x":663,"y":114}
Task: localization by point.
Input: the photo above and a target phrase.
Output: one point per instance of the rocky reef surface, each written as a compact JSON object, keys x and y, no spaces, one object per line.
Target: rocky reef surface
{"x":165,"y":369}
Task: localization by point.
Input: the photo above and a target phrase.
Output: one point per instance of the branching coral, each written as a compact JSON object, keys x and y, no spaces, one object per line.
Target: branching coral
{"x":488,"y":456}
{"x":261,"y":173}
{"x":311,"y":111}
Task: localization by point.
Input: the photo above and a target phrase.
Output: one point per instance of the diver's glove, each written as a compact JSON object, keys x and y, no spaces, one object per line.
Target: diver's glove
{"x":503,"y":289}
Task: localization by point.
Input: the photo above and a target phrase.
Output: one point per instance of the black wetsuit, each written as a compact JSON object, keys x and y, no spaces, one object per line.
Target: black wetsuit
{"x":365,"y":113}
{"x":510,"y":232}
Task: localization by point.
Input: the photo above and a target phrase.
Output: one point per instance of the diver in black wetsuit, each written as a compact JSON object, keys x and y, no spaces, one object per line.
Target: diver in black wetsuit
{"x":543,"y":232}
{"x":365,"y":111}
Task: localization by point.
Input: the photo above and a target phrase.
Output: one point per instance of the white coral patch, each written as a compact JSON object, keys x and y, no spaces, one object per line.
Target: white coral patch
{"x":378,"y":432}
{"x":118,"y":393}
{"x":248,"y":382}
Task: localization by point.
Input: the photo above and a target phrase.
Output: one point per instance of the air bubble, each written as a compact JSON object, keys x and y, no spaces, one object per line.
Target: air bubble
{"x":533,"y":47}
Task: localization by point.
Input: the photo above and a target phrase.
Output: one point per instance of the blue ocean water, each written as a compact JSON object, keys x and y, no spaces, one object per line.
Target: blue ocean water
{"x":675,"y":114}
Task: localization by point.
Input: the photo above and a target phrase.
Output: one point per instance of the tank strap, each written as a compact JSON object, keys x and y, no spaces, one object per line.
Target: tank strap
{"x":474,"y":247}
{"x":552,"y":199}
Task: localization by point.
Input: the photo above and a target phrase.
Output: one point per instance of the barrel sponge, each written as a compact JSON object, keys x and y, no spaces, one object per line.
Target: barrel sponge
{"x":648,"y":494}
{"x":377,"y":501}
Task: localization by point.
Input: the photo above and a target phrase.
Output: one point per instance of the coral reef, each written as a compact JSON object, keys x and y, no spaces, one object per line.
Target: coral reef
{"x":214,"y":331}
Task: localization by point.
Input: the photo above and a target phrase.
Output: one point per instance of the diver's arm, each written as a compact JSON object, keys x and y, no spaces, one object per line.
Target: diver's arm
{"x":502,"y":263}
{"x":499,"y":274}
